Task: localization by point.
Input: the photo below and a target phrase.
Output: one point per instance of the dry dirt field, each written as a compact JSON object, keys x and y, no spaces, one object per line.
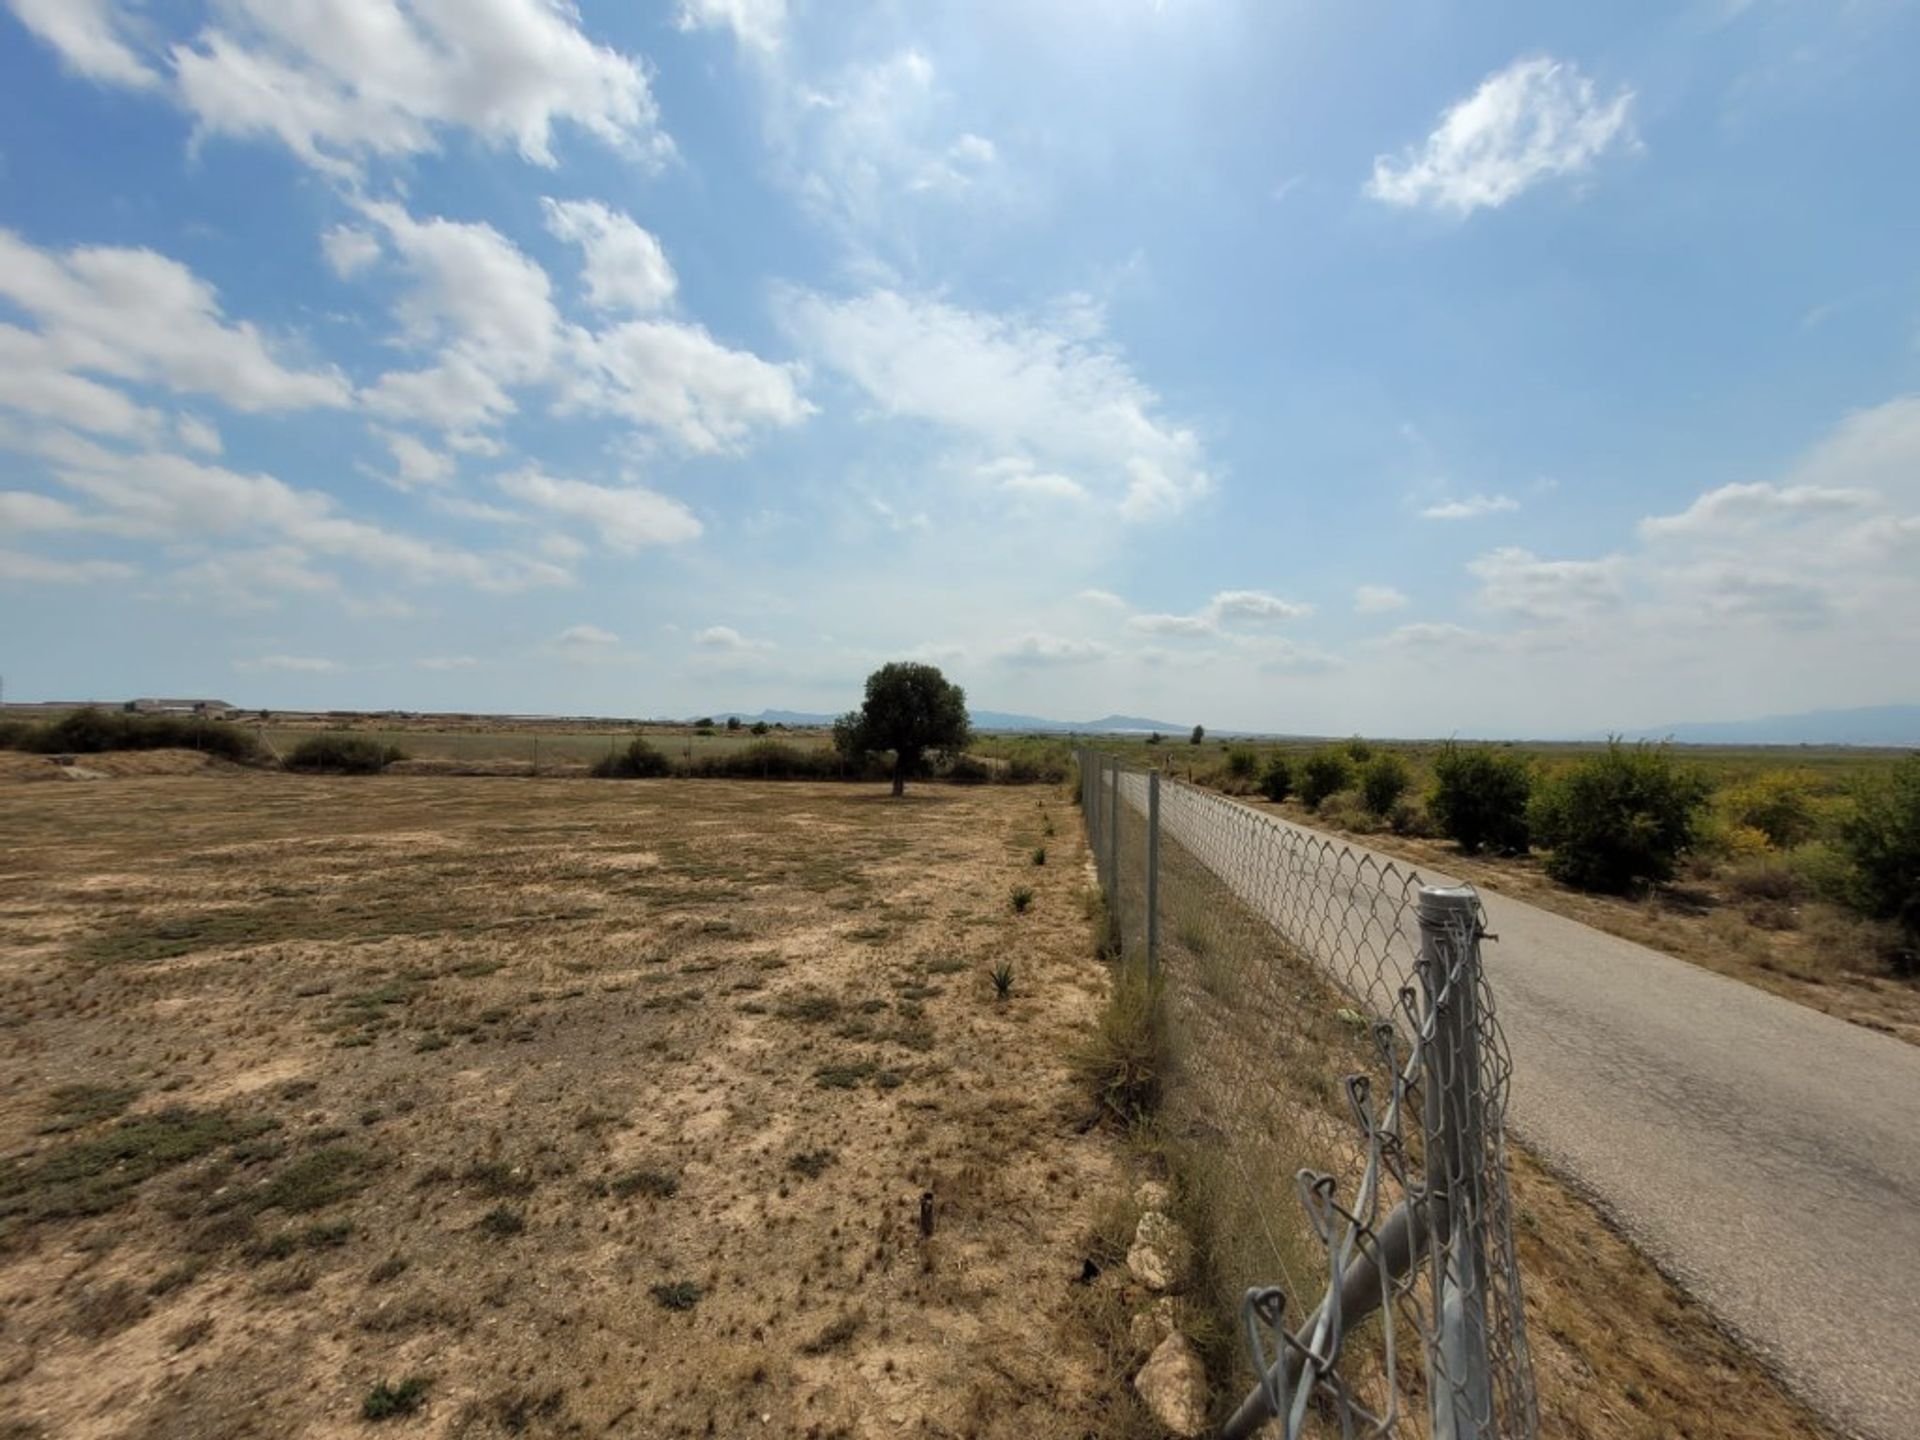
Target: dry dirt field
{"x":596,"y":1108}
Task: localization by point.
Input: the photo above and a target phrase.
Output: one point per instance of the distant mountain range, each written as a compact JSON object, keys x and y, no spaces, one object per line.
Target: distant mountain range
{"x":1878,"y":725}
{"x":1897,"y":725}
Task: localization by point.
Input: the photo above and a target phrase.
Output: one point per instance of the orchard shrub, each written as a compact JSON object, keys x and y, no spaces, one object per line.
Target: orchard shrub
{"x":1276,"y":781}
{"x":1619,"y":818}
{"x":1325,"y":772}
{"x":1383,"y":780}
{"x":639,"y":761}
{"x":1480,"y":797}
{"x":1882,"y":839}
{"x":1242,"y":764}
{"x":1778,"y":803}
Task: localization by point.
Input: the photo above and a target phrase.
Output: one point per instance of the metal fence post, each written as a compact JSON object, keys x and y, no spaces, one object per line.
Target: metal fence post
{"x":1461,"y":1397}
{"x":1113,"y":851}
{"x":1153,"y":875}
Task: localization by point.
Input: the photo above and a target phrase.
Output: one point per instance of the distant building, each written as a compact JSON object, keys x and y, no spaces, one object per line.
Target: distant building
{"x":179,"y":707}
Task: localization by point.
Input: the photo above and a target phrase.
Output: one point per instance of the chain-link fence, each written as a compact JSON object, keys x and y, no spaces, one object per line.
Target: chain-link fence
{"x":1336,"y":1101}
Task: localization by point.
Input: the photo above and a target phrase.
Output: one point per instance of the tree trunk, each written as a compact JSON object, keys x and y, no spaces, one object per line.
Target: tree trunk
{"x":899,"y":776}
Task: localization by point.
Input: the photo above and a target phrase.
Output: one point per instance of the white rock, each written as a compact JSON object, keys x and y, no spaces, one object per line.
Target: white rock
{"x":1149,"y":1327}
{"x":1173,"y":1385}
{"x":1158,"y":1257}
{"x":1153,"y":1195}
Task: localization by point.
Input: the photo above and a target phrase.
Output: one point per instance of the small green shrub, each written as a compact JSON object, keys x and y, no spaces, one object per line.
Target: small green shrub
{"x":390,"y":1402}
{"x":1778,"y":803}
{"x":1383,"y":780}
{"x":1325,"y":772}
{"x":1039,"y":854}
{"x":1022,"y":898}
{"x":1359,"y":751}
{"x":677,"y":1295}
{"x":1124,"y":1063}
{"x":1882,"y":839}
{"x":1480,"y":798}
{"x":759,"y":727}
{"x":1002,"y":979}
{"x":342,"y":754}
{"x":1242,"y":764}
{"x":639,"y":761}
{"x":1276,"y":781}
{"x":969,"y":770}
{"x":1619,"y":818}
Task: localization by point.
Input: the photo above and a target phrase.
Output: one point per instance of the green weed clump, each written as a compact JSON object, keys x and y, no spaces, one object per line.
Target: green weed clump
{"x":1022,"y":898}
{"x":1276,"y":781}
{"x":390,"y":1402}
{"x":1882,"y":839}
{"x":1123,"y":1063}
{"x":342,"y":754}
{"x":639,"y":761}
{"x":1002,"y":975}
{"x":1383,"y":780}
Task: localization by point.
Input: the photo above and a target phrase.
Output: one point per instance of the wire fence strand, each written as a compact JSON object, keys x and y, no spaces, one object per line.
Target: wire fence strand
{"x":1337,"y":1103}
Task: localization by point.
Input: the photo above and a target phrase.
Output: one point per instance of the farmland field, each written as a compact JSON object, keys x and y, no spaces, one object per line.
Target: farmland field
{"x":593,"y":1108}
{"x":552,"y":747}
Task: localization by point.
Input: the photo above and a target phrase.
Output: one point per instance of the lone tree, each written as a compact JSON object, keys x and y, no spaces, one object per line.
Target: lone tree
{"x":910,"y":710}
{"x":1199,"y":734}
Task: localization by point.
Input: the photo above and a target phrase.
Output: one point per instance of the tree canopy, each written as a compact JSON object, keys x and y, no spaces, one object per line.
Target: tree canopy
{"x":911,"y":710}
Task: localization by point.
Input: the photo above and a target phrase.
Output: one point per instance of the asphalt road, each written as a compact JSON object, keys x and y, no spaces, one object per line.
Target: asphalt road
{"x":1765,"y":1155}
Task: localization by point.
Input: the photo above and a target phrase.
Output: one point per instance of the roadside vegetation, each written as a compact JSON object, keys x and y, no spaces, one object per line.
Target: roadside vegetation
{"x":93,"y":731}
{"x":1798,"y":870}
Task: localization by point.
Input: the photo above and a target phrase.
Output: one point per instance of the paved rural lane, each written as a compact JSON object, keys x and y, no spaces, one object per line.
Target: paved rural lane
{"x":1766,"y":1155}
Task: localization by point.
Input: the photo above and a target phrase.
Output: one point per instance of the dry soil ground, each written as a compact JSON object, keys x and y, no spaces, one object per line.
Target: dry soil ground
{"x":599,"y":1108}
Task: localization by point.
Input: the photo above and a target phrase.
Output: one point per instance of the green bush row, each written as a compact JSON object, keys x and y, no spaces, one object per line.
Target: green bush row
{"x":92,"y":731}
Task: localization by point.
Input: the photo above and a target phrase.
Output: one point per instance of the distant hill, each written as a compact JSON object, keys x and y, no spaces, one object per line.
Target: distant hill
{"x":1897,"y":725}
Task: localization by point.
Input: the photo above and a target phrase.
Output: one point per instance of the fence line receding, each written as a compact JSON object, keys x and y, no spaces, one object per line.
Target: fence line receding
{"x":1337,"y":1098}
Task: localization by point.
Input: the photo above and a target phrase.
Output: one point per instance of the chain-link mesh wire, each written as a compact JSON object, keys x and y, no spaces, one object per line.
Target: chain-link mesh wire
{"x":1337,"y":1097}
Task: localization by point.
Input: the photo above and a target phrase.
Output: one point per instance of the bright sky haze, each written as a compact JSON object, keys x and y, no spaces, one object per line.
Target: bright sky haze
{"x":1416,"y":369}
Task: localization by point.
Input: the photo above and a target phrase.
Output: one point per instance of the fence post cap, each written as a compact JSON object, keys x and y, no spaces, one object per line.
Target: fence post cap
{"x":1440,"y":901}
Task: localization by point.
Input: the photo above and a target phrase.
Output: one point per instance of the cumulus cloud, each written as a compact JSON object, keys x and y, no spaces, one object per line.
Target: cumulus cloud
{"x":416,"y":462}
{"x":1053,"y":398}
{"x":135,"y":315}
{"x":1520,"y":584}
{"x":339,"y":84}
{"x":1019,"y":476}
{"x":349,"y":250}
{"x":292,"y":664}
{"x":1228,"y":607}
{"x":21,"y":568}
{"x":1471,"y":508}
{"x":1377,"y":599}
{"x":1536,"y":119}
{"x":1104,"y":598}
{"x":89,"y":37}
{"x":625,"y":267}
{"x":627,"y":517}
{"x":756,"y":24}
{"x":725,"y":637}
{"x":1046,"y":651}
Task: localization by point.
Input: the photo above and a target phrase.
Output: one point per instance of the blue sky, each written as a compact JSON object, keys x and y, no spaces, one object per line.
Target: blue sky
{"x":1409,"y":370}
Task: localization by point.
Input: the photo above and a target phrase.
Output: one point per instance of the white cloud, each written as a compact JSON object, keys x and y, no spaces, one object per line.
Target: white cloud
{"x":725,"y":637}
{"x":1733,"y":508}
{"x":139,"y":316}
{"x":33,"y":382}
{"x":586,"y":637}
{"x":198,"y":434}
{"x":294,"y":664}
{"x":1017,"y":475}
{"x":1046,"y":651}
{"x":254,"y":578}
{"x":172,"y":498}
{"x":625,"y":267}
{"x":1534,"y":120}
{"x":1377,"y":599}
{"x":1431,"y":637}
{"x":1471,"y":508}
{"x":19,"y":567}
{"x":625,"y":518}
{"x":1225,"y":608}
{"x":416,"y":462}
{"x":755,"y":24}
{"x":677,"y":378}
{"x":349,"y":250}
{"x":88,"y":35}
{"x":1069,"y":403}
{"x":1104,"y":598}
{"x":23,"y":510}
{"x":1519,"y":583}
{"x":339,"y":83}
{"x":445,"y":662}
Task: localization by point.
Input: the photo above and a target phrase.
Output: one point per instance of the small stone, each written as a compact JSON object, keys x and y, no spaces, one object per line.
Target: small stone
{"x":1158,"y":1257}
{"x":1173,"y":1385}
{"x":1153,"y":1195}
{"x":1149,"y":1327}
